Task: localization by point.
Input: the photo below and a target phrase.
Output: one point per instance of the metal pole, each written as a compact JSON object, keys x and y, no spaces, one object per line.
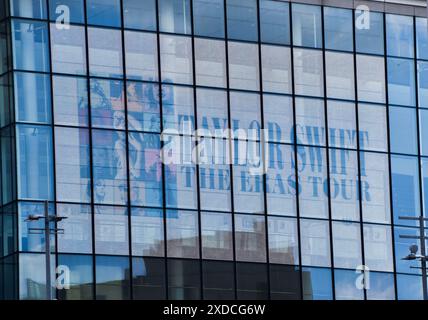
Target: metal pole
{"x":48,"y":252}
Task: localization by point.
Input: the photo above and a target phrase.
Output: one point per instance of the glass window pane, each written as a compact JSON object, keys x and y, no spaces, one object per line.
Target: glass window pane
{"x":68,"y":47}
{"x":340,"y":75}
{"x":250,"y":238}
{"x":182,"y":234}
{"x":422,"y":69}
{"x":315,"y":242}
{"x":338,"y":29}
{"x":34,"y":157}
{"x":317,"y":284}
{"x":32,"y":97}
{"x":276,"y":69}
{"x":218,"y":280}
{"x":344,"y":189}
{"x":32,"y":269}
{"x":103,"y":12}
{"x":208,"y":18}
{"x":399,"y":33}
{"x":178,"y":109}
{"x":252,"y":281}
{"x":308,"y":72}
{"x":210,"y":62}
{"x":283,"y":240}
{"x":403,"y":130}
{"x":401,"y":82}
{"x":111,"y":230}
{"x":275,"y":22}
{"x":105,"y":52}
{"x":369,"y":35}
{"x":31,"y":45}
{"x":425,"y":185}
{"x":347,"y":245}
{"x":307,"y":31}
{"x":174,"y":16}
{"x":312,"y":166}
{"x":342,"y":125}
{"x":145,"y":169}
{"x":245,"y":112}
{"x":375,"y":192}
{"x":405,"y":188}
{"x":402,"y":249}
{"x":423,"y":131}
{"x":147,"y":231}
{"x":60,"y":10}
{"x":176,"y":59}
{"x":112,"y":278}
{"x":77,"y":236}
{"x":148,"y":279}
{"x":212,"y":111}
{"x":184,"y":279}
{"x":109,"y":167}
{"x":217,"y":236}
{"x":310,"y":123}
{"x":381,"y":286}
{"x":409,"y":287}
{"x":28,"y":8}
{"x":345,"y":285}
{"x":378,"y":247}
{"x":372,"y":127}
{"x":285,"y":283}
{"x":143,"y":106}
{"x":278,"y":117}
{"x":81,"y":277}
{"x":141,"y":56}
{"x":139,"y":14}
{"x":371,"y":78}
{"x":107,"y":104}
{"x":280,"y":180}
{"x":243,"y":66}
{"x":422,"y":38}
{"x":72,"y":166}
{"x":70,"y":99}
{"x":242,"y":20}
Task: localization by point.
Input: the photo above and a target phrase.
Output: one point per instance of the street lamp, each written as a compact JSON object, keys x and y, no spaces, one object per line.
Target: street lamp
{"x":47,"y":230}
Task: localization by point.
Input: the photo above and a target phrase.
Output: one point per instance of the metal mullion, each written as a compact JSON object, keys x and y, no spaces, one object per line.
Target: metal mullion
{"x":421,"y":196}
{"x":164,"y":210}
{"x":295,"y":148}
{"x":392,"y":226}
{"x":327,"y":154}
{"x":195,"y":115}
{"x":128,"y":179}
{"x":91,"y":169}
{"x":357,"y":127}
{"x":263,"y":143}
{"x":232,"y":197}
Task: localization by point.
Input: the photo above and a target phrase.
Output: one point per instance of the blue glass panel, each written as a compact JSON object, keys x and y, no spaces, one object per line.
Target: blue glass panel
{"x":145,"y":169}
{"x":307,"y":29}
{"x":345,"y":285}
{"x":103,"y":12}
{"x":369,"y":35}
{"x":34,"y":153}
{"x":409,"y":287}
{"x":423,"y":131}
{"x":381,"y":286}
{"x":338,"y":29}
{"x":81,"y":277}
{"x":139,"y":14}
{"x":401,"y":248}
{"x":28,"y":8}
{"x":405,"y":188}
{"x":403,"y":130}
{"x":317,"y":284}
{"x":174,"y":16}
{"x":112,"y":278}
{"x":242,"y":20}
{"x":30,"y":42}
{"x":64,"y":10}
{"x":208,"y":18}
{"x":422,"y":69}
{"x":401,"y":82}
{"x":32,"y":97}
{"x":422,"y":38}
{"x":143,"y":106}
{"x":275,"y":22}
{"x":399,"y":33}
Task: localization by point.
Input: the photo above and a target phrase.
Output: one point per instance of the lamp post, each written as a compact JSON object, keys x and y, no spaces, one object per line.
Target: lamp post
{"x":414,"y":250}
{"x":47,"y":231}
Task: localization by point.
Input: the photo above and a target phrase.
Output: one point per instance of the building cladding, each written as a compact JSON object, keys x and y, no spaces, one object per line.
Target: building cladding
{"x":340,"y":87}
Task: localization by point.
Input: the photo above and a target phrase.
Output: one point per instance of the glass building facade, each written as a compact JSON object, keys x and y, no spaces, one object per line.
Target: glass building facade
{"x":89,"y":87}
